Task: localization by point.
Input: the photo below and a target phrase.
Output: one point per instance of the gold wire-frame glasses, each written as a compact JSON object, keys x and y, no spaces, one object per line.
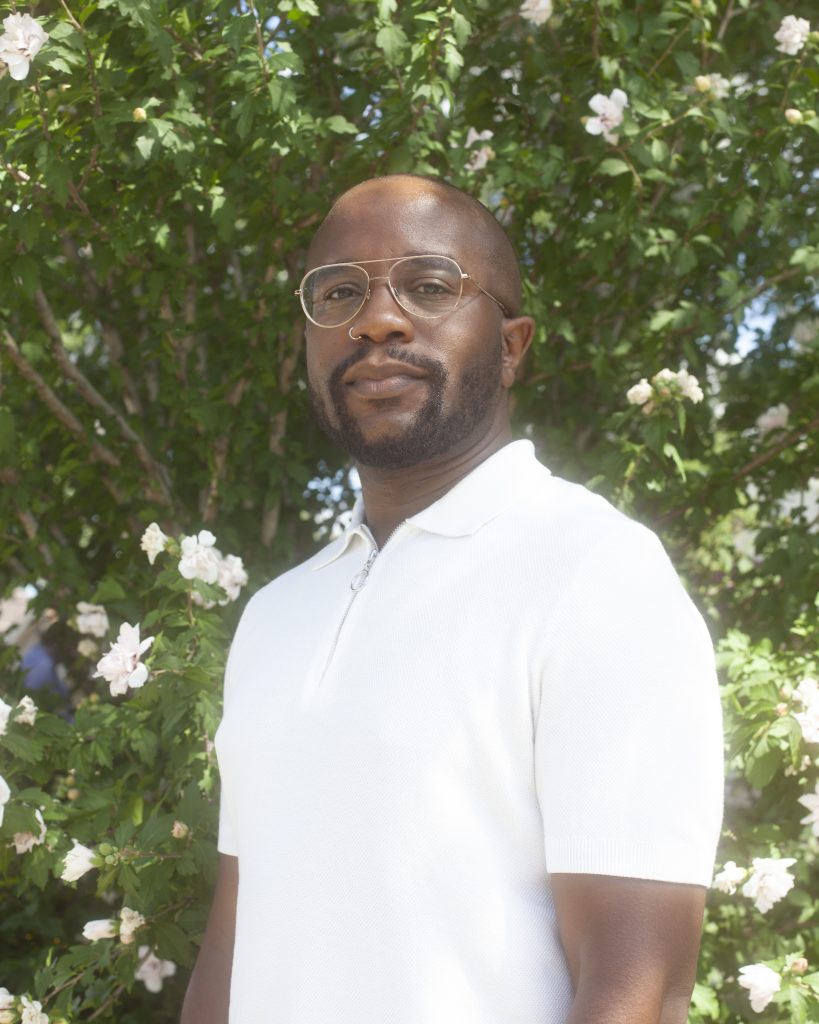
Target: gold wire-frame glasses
{"x":421,"y":305}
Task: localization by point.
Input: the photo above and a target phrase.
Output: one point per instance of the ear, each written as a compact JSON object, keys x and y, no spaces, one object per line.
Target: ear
{"x":516,"y":333}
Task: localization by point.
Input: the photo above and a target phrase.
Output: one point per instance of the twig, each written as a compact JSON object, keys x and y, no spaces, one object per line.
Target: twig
{"x":777,"y":449}
{"x":108,"y":1002}
{"x":92,"y":71}
{"x":668,"y":49}
{"x":49,"y":399}
{"x":94,"y":398}
{"x":270,"y":518}
{"x":259,"y":40}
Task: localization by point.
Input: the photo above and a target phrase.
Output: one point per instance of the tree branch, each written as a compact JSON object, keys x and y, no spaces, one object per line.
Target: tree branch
{"x":52,"y":402}
{"x":771,"y":453}
{"x":163,"y":494}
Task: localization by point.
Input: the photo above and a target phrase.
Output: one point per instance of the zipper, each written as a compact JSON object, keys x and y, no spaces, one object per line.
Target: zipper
{"x":356,"y":586}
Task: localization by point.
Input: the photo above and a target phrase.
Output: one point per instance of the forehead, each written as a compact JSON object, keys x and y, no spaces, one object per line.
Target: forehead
{"x":390,"y":219}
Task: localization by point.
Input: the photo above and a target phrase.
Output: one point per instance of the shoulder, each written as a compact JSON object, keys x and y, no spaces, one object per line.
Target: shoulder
{"x":568,"y":521}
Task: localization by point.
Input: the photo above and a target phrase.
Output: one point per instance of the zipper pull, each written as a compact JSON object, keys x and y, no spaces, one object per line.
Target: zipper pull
{"x":360,"y":578}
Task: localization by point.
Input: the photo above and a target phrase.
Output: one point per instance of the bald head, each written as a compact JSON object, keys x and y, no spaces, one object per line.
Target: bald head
{"x":461,"y":225}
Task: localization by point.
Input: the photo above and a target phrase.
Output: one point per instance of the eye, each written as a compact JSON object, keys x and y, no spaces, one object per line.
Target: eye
{"x":340,"y":292}
{"x":431,"y":287}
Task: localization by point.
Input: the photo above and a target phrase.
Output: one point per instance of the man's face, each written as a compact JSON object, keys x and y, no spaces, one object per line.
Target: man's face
{"x":411,"y":389}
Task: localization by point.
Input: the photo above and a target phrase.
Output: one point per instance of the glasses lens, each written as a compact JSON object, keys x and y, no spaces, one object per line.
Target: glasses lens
{"x":427,"y":285}
{"x":333,"y":295}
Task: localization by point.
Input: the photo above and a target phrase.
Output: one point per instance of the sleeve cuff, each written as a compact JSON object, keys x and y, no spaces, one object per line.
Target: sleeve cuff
{"x":630,"y":859}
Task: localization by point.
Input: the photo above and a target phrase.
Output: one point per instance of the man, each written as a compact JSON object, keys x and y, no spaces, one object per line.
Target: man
{"x":471,"y":751}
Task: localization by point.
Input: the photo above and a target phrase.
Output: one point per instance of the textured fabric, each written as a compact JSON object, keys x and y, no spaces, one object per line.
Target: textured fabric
{"x":520,"y":687}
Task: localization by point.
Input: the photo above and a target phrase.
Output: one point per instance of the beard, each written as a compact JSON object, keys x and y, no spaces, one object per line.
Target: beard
{"x":433,"y":431}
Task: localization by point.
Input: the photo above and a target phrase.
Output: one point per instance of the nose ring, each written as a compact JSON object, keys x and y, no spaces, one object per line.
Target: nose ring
{"x":354,"y":337}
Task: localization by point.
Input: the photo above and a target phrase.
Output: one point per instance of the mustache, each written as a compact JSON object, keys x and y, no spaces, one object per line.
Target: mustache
{"x":436,"y":371}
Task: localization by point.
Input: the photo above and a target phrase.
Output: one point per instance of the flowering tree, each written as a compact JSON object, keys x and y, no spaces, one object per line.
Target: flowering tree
{"x":162,"y":170}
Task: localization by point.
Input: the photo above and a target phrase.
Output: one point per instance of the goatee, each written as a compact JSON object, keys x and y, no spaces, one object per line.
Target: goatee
{"x":432,"y":432}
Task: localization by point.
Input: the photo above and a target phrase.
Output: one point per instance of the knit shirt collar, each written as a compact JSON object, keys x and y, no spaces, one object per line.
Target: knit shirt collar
{"x":498,"y":482}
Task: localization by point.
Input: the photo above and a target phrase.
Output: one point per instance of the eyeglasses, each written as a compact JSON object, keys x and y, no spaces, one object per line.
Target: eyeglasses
{"x":424,"y":286}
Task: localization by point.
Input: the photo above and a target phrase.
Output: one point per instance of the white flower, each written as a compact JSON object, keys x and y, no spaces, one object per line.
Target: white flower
{"x":152,"y":970}
{"x":745,"y":542}
{"x":484,"y":154}
{"x":5,"y":711}
{"x":809,"y":723}
{"x":92,"y":619}
{"x":24,"y":842}
{"x":130,"y":921}
{"x":28,"y":714}
{"x":7,"y":1014}
{"x":32,"y":1011}
{"x":13,"y":609}
{"x":770,"y":881}
{"x":77,"y":862}
{"x":231,"y":576}
{"x":105,"y":928}
{"x":792,"y":34}
{"x":610,"y":114}
{"x":689,"y":386}
{"x":775,"y":418}
{"x":729,"y":878}
{"x":5,"y":793}
{"x":807,"y":691}
{"x":811,"y":801}
{"x":666,"y":382}
{"x":762,"y":982}
{"x":153,"y":542}
{"x":793,"y":116}
{"x":121,"y":666}
{"x":179,"y":830}
{"x":199,"y":559}
{"x":20,"y":43}
{"x":714,"y":84}
{"x":536,"y":11}
{"x":87,"y":648}
{"x":664,"y":376}
{"x":639,"y":393}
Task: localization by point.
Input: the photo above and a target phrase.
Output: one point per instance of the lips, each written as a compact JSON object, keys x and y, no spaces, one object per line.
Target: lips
{"x":382,"y":380}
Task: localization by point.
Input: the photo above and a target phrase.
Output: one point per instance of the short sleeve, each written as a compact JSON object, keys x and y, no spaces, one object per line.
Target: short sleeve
{"x":628,"y":741}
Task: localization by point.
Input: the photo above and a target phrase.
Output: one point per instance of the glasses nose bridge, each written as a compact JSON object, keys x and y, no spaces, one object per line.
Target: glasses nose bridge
{"x":390,"y":285}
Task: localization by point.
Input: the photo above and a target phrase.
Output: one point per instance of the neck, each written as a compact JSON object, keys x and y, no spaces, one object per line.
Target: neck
{"x":391,"y":496}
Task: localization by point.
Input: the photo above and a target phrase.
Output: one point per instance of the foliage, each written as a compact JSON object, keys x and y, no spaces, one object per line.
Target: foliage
{"x":163,"y":167}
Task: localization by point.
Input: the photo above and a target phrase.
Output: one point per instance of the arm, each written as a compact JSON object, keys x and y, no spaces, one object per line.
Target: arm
{"x":631,"y":945}
{"x":208,"y":995}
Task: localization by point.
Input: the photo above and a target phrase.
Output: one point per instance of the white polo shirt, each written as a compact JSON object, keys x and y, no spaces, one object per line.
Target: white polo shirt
{"x":519,"y":686}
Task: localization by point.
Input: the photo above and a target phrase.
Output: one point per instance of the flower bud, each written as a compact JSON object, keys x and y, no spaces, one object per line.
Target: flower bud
{"x":104,"y":849}
{"x":73,"y":793}
{"x":696,"y":4}
{"x":702,"y":83}
{"x":781,"y":709}
{"x":180,"y":830}
{"x":139,"y":114}
{"x":799,"y":966}
{"x":793,"y":116}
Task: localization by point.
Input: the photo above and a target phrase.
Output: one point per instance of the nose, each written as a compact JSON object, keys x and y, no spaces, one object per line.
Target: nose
{"x":381,"y":318}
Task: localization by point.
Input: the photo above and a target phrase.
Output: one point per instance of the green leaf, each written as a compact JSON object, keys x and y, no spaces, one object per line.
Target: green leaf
{"x":340,"y":125}
{"x":172,"y":943}
{"x":392,"y":41}
{"x":612,"y":167}
{"x":661,"y":319}
{"x":145,"y":146}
